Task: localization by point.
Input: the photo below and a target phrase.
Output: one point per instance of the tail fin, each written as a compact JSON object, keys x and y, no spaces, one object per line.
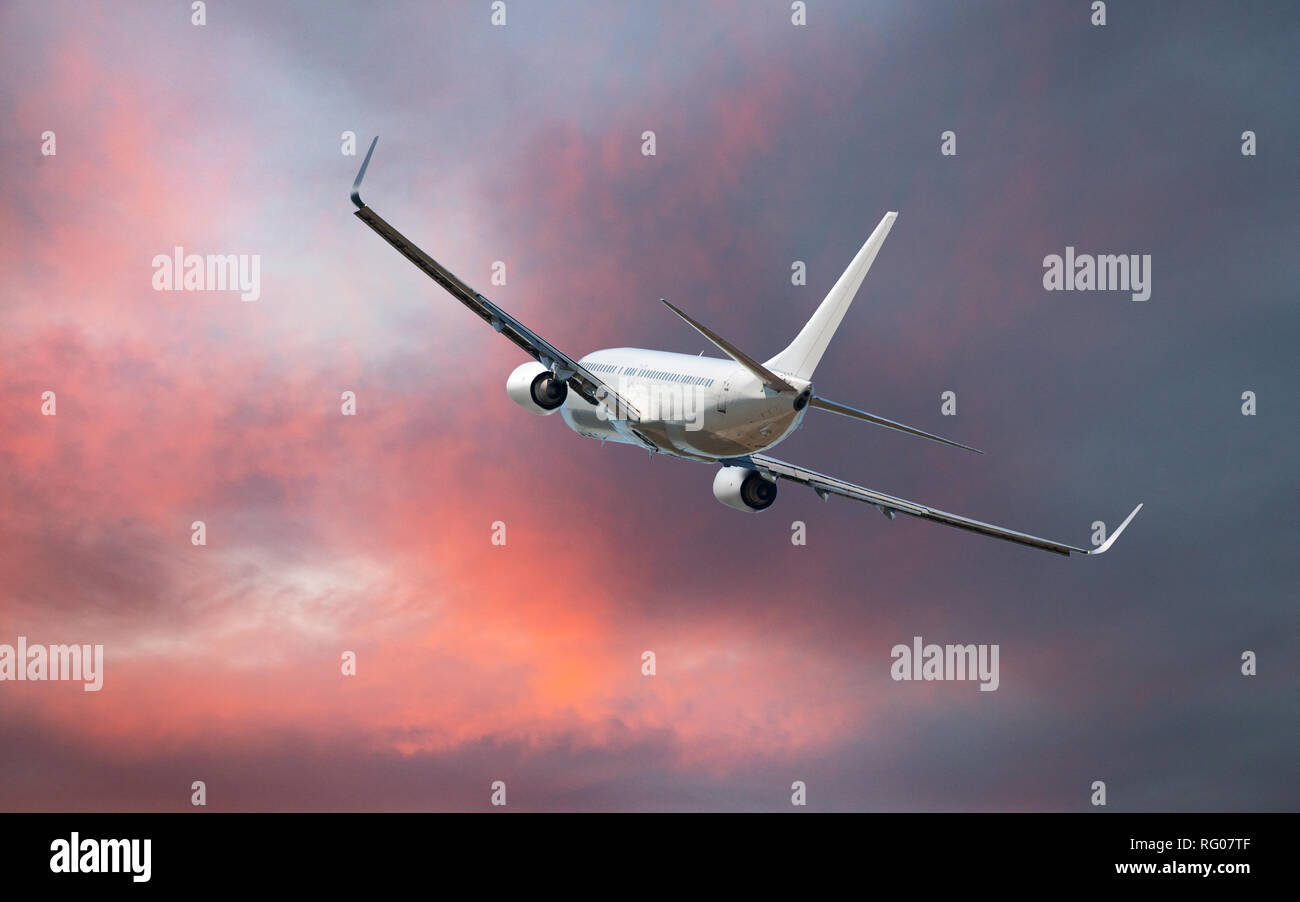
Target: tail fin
{"x":804,"y":353}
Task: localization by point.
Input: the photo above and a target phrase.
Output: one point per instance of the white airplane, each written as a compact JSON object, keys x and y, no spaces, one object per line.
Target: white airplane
{"x":719,"y":411}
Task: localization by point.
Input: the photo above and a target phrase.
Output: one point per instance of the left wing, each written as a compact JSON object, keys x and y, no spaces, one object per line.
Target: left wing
{"x":888,"y":505}
{"x":565,"y":368}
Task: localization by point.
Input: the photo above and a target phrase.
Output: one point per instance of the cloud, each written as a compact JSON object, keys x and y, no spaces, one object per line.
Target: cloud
{"x":371,"y":533}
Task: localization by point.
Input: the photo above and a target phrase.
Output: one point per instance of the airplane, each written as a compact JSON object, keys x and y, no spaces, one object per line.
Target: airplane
{"x":721,"y":411}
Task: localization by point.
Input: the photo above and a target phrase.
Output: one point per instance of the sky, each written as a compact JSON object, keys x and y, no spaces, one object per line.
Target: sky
{"x":522,"y":663}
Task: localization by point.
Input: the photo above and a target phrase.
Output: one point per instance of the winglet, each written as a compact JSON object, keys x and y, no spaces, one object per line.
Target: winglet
{"x":356,"y":186}
{"x":1115,"y":535}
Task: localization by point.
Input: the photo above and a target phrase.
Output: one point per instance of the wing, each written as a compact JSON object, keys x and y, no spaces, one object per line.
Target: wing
{"x":889,"y":506}
{"x":585,"y":383}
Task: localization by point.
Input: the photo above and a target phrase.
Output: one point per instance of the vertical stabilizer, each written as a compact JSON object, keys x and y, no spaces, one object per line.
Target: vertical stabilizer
{"x":805,"y":352}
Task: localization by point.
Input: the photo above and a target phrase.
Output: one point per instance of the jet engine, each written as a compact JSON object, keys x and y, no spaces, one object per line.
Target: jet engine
{"x":744,"y":489}
{"x":534,"y":388}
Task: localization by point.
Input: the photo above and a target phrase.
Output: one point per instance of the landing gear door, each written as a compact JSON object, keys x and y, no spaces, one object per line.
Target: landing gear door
{"x":722,"y":396}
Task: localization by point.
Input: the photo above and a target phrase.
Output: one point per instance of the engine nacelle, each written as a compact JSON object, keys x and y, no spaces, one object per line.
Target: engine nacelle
{"x":534,"y":388}
{"x":744,"y":489}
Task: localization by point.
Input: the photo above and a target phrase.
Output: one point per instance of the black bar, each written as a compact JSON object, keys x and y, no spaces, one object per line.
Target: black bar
{"x":438,"y":851}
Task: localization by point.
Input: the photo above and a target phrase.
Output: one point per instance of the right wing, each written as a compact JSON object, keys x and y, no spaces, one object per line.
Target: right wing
{"x":889,"y":505}
{"x":585,"y":383}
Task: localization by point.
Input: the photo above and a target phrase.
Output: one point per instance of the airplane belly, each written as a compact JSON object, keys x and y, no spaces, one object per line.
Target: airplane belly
{"x":736,"y":433}
{"x":584,"y":419}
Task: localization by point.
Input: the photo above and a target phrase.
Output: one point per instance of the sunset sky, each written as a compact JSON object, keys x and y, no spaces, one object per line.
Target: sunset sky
{"x":372,"y":533}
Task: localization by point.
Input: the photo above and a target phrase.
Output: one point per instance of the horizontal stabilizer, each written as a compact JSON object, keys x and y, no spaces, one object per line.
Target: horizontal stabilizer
{"x":844,"y":411}
{"x":766,"y":376}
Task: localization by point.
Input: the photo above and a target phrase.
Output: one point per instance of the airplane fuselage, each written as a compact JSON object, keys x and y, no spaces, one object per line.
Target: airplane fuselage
{"x":698,"y":408}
